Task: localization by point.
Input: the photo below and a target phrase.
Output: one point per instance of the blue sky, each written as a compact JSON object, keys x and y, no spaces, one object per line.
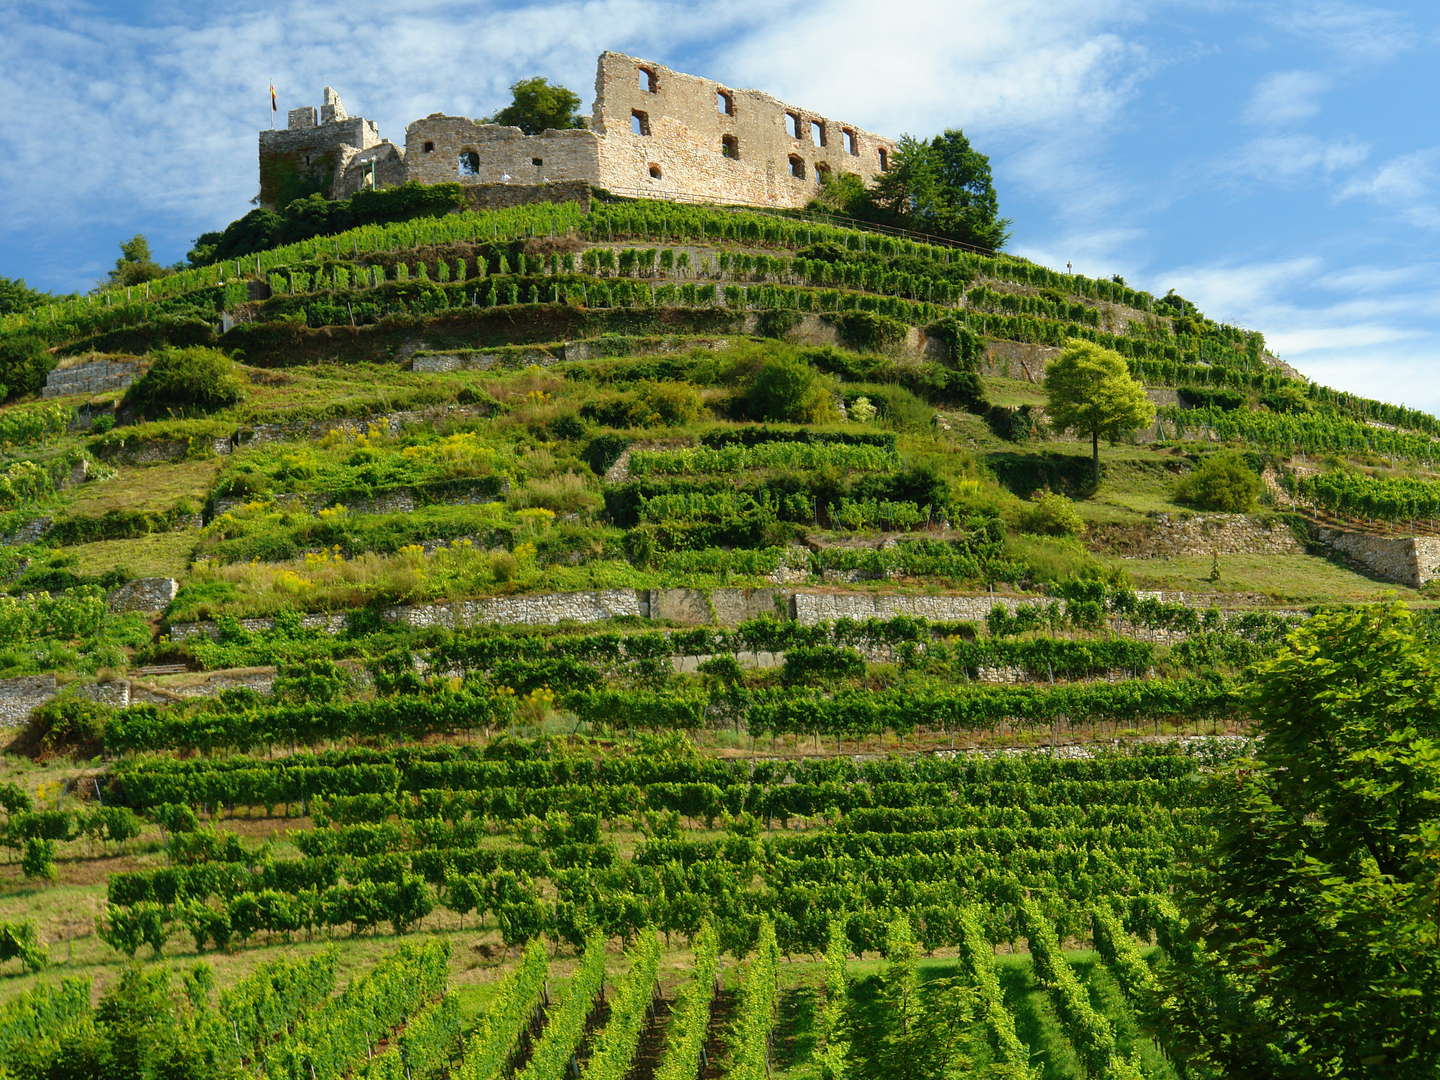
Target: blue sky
{"x":1277,"y":161}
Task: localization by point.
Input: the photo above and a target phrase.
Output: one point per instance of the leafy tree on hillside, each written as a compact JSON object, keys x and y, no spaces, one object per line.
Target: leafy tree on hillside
{"x":1318,"y":902}
{"x":15,"y":296}
{"x":943,"y":187}
{"x":536,"y":105}
{"x":1089,"y":389}
{"x":135,"y":265}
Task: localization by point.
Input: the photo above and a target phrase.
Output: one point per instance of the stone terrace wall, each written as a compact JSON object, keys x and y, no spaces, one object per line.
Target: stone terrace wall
{"x":686,"y":126}
{"x":95,"y":377}
{"x":19,"y":696}
{"x":1169,"y":535}
{"x":1408,"y":560}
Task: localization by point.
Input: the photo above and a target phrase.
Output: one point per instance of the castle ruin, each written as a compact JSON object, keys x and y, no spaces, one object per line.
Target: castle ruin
{"x":653,"y":131}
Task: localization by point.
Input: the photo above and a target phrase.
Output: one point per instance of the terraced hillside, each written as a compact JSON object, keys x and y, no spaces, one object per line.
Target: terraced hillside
{"x":700,"y":583}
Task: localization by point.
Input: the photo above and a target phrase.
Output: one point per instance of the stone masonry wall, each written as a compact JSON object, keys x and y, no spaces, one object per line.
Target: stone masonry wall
{"x":1169,"y":535}
{"x":95,"y":377}
{"x":696,"y":138}
{"x":686,"y":126}
{"x":433,"y":147}
{"x":19,"y":696}
{"x":1407,"y":560}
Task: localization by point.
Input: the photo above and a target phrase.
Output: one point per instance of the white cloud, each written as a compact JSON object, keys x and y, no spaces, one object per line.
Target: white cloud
{"x":1095,"y":253}
{"x":1356,"y":32}
{"x":1287,"y":159}
{"x":163,"y":115}
{"x":923,"y":65}
{"x":1237,"y":292}
{"x":1285,"y":97}
{"x":1369,"y":279}
{"x":1408,"y":185}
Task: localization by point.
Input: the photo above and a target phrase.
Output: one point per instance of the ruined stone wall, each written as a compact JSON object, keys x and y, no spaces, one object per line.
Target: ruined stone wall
{"x":683,"y":152}
{"x":310,"y":155}
{"x":433,"y":149}
{"x":379,"y":166}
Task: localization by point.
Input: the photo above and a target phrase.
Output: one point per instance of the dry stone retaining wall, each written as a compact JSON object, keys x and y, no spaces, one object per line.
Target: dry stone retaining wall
{"x":1407,"y":560}
{"x":19,"y":696}
{"x":1170,"y":535}
{"x":94,"y":377}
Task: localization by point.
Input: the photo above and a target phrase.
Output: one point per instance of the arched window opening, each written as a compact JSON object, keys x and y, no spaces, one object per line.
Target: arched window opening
{"x":822,"y":173}
{"x":725,"y":102}
{"x":730,"y":147}
{"x":649,"y":81}
{"x":639,"y":123}
{"x":654,"y":171}
{"x":817,"y":132}
{"x":884,"y":159}
{"x":429,"y":147}
{"x":797,"y":166}
{"x":797,"y":126}
{"x":469,"y":163}
{"x":851,"y":144}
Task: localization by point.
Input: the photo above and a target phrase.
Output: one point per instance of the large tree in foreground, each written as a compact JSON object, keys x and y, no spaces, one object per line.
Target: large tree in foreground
{"x":1319,"y":900}
{"x":1089,"y":390}
{"x":536,"y":105}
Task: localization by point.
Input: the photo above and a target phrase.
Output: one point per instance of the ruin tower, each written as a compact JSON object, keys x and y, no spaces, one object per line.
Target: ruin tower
{"x":308,"y":157}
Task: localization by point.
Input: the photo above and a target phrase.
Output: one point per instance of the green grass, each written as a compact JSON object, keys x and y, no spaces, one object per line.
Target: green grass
{"x":1293,"y":579}
{"x":1000,"y":390}
{"x":158,"y":555}
{"x":150,"y":487}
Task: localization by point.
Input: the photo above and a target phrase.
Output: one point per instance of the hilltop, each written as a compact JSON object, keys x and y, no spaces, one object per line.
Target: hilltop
{"x":500,"y":573}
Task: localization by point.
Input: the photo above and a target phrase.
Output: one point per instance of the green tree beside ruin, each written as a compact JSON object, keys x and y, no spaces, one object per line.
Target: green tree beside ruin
{"x":537,"y":105}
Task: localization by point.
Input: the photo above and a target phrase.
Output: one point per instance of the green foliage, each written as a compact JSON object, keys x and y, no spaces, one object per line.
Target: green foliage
{"x":864,"y":330}
{"x":20,"y":940}
{"x":1088,"y":389}
{"x":37,"y":859}
{"x":786,"y":389}
{"x":24,"y":363}
{"x":1317,"y":899}
{"x":185,"y":382}
{"x":67,"y":721}
{"x":1051,"y":514}
{"x":942,"y":187}
{"x":16,"y":296}
{"x":135,"y":265}
{"x":1222,"y":481}
{"x":536,"y":105}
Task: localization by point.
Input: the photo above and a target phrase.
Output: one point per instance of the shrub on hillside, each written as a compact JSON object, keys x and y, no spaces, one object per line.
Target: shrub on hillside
{"x":1051,"y":514}
{"x":24,"y":363}
{"x":1222,"y":481}
{"x":185,"y":382}
{"x":787,"y":389}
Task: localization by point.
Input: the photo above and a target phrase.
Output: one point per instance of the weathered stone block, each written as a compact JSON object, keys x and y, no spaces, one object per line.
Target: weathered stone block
{"x":143,"y":594}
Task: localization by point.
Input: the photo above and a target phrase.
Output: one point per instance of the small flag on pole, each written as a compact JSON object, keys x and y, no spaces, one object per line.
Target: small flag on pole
{"x":274,"y":105}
